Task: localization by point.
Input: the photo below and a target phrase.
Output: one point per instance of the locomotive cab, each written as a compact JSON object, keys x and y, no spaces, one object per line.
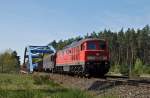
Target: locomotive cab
{"x":96,"y":51}
{"x":95,"y":56}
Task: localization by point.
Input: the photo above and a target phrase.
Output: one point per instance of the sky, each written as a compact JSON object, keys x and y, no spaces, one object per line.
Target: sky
{"x":38,"y":22}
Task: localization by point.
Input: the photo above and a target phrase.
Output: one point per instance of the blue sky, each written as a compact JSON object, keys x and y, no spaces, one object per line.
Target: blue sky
{"x":37,"y":22}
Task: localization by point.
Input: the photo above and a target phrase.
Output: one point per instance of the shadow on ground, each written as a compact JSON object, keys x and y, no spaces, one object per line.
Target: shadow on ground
{"x":104,"y":85}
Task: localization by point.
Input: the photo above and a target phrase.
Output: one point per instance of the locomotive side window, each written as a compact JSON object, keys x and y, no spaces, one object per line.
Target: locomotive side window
{"x":91,"y":46}
{"x":82,"y":47}
{"x":102,"y":45}
{"x":69,"y":51}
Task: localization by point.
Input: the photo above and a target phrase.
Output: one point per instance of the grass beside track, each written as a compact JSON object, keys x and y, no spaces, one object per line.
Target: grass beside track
{"x":35,"y":86}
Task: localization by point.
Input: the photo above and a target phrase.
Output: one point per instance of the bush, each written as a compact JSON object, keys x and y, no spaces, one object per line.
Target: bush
{"x":9,"y":62}
{"x":138,"y":67}
{"x":146,"y":69}
{"x":124,"y":69}
{"x":115,"y":68}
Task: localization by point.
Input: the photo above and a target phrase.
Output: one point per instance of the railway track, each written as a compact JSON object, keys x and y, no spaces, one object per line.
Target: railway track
{"x":128,"y":81}
{"x":116,"y":77}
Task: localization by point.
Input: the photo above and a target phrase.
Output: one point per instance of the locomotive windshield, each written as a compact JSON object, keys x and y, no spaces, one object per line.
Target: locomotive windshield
{"x":91,"y":46}
{"x":96,"y":45}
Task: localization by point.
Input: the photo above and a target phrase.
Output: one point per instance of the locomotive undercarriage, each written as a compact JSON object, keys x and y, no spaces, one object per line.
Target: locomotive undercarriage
{"x":99,"y":68}
{"x":90,"y":68}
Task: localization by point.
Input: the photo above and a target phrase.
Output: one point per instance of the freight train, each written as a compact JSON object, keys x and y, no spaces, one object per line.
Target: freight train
{"x":85,"y":57}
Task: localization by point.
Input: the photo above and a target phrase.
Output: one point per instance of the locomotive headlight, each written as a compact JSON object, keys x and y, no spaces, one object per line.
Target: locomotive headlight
{"x":91,"y":57}
{"x":104,"y":57}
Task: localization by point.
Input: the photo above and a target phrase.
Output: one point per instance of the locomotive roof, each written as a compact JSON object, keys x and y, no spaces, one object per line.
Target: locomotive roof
{"x":74,"y":44}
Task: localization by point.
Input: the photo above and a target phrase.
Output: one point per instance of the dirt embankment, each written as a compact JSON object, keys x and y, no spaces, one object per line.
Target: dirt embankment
{"x":102,"y":87}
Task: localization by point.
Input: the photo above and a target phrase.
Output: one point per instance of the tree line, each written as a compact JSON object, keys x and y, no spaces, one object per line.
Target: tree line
{"x":128,"y":48}
{"x":9,"y":62}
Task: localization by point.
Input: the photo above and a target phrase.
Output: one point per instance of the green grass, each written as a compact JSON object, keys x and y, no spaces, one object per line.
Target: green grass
{"x":35,"y":86}
{"x":108,"y":96}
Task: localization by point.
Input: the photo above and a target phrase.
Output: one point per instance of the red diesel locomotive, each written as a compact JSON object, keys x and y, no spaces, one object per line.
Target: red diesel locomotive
{"x":86,"y":57}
